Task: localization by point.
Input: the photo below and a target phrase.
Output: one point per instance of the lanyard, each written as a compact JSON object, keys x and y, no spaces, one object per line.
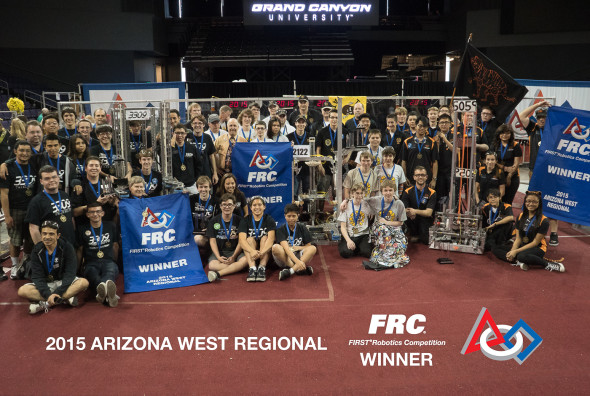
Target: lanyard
{"x":148,"y":185}
{"x":402,"y":130}
{"x":97,"y":191}
{"x":40,"y":149}
{"x":249,"y":133}
{"x":28,"y":177}
{"x":333,"y":138}
{"x":291,"y":238}
{"x":356,"y":215}
{"x":60,"y":207}
{"x":530,"y":224}
{"x":390,"y":141}
{"x":136,"y":143}
{"x":492,"y":216}
{"x":50,"y":263}
{"x":213,"y":135}
{"x":51,"y":162}
{"x":284,"y":131}
{"x":257,"y":229}
{"x":421,"y":195}
{"x":386,"y":175}
{"x":431,"y":132}
{"x":81,"y":167}
{"x":363,"y":179}
{"x":375,"y":157}
{"x":206,"y":203}
{"x":99,"y":240}
{"x":503,"y":151}
{"x":383,"y":214}
{"x":225,"y":229}
{"x":109,"y":156}
{"x":182,"y":153}
{"x":302,"y":140}
{"x":420,"y":144}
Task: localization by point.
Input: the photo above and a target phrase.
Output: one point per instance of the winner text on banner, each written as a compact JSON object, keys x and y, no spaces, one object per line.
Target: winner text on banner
{"x":158,"y":247}
{"x":562,"y":170}
{"x":265,"y":169}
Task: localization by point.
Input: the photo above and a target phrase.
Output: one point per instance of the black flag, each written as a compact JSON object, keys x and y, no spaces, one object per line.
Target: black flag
{"x":483,"y":80}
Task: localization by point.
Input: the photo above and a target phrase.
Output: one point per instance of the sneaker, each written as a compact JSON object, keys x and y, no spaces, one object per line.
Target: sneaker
{"x":72,"y":301}
{"x":555,"y":267}
{"x":14,"y":272}
{"x":3,"y":277}
{"x":38,"y":307}
{"x":522,"y":266}
{"x":553,"y":239}
{"x":261,"y":276}
{"x":284,"y":274}
{"x":112,"y":297}
{"x":251,"y":275}
{"x":309,"y":270}
{"x":101,"y":291}
{"x":213,"y":276}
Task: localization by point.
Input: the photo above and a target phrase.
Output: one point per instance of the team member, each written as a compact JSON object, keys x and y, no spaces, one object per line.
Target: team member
{"x":388,"y":238}
{"x":303,"y":109}
{"x":224,"y":147}
{"x":488,"y":124}
{"x":34,"y":135}
{"x":272,"y":107}
{"x":374,"y":148}
{"x":325,"y":121}
{"x":93,"y":189}
{"x":260,"y":133}
{"x":432,"y":115}
{"x":286,"y":127}
{"x":225,"y":113}
{"x":352,"y":124}
{"x":53,"y":267}
{"x":529,"y":246}
{"x":293,"y":250}
{"x":84,"y":128}
{"x":16,"y":192}
{"x":137,"y":187}
{"x":68,"y":114}
{"x":363,"y":174}
{"x":535,"y":132}
{"x":186,"y":160}
{"x":136,"y":138}
{"x":391,"y":171}
{"x":78,"y":153}
{"x":489,"y":177}
{"x":420,"y":201}
{"x":50,"y":126}
{"x":274,"y":130}
{"x":174,"y":118}
{"x":100,"y":117}
{"x":245,"y":119}
{"x":300,"y":138}
{"x":393,"y":138}
{"x":98,"y":243}
{"x":362,"y":140}
{"x":203,"y":207}
{"x":204,"y":143}
{"x":412,"y":120}
{"x":152,"y":178}
{"x":354,"y":225}
{"x":68,"y":177}
{"x":326,"y":146}
{"x":497,"y":218}
{"x":227,"y":256}
{"x":445,"y":157}
{"x":420,"y":150}
{"x":255,"y":108}
{"x":104,"y":150}
{"x":51,"y":204}
{"x":229,"y":184}
{"x":402,"y":117}
{"x":508,"y":152}
{"x":214,"y":127}
{"x":257,"y":235}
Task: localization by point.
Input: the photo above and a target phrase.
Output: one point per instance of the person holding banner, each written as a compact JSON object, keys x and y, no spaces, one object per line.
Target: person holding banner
{"x":260,"y":133}
{"x":354,"y":225}
{"x":137,"y":187}
{"x":227,"y":256}
{"x":508,"y":152}
{"x":152,"y":178}
{"x":257,"y":235}
{"x":274,"y":131}
{"x":98,"y":245}
{"x":186,"y":160}
{"x":293,"y":250}
{"x":529,"y":246}
{"x":203,"y":207}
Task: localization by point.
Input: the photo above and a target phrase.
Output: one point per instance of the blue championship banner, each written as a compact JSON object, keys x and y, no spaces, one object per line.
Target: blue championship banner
{"x":158,"y":247}
{"x":562,"y":170}
{"x":265,"y":169}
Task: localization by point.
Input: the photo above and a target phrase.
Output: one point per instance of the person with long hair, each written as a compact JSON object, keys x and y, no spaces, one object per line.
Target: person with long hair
{"x":488,"y":177}
{"x":508,"y":152}
{"x":246,"y":130}
{"x":17,"y":129}
{"x":78,"y":150}
{"x":229,"y":184}
{"x":274,"y":130}
{"x":529,"y":246}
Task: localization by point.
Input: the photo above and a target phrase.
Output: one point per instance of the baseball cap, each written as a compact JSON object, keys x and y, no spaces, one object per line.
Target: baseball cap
{"x":213,"y":118}
{"x":541,"y":113}
{"x":300,"y":117}
{"x":272,"y":103}
{"x":281,"y":111}
{"x":303,"y":97}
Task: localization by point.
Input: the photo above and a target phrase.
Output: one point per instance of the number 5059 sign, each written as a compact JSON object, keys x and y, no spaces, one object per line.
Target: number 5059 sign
{"x":464,"y":105}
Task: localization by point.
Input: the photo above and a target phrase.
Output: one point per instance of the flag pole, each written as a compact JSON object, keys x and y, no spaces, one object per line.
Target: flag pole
{"x":469,"y":39}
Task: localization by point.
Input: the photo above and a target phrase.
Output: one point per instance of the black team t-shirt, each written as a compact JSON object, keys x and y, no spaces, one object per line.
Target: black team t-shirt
{"x":203,"y":210}
{"x":42,"y":208}
{"x":267,"y":224}
{"x":215,"y":230}
{"x":89,"y":241}
{"x":18,"y":197}
{"x":302,"y":235}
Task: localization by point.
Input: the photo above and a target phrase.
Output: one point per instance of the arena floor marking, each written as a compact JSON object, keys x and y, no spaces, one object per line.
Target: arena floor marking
{"x":330,"y":297}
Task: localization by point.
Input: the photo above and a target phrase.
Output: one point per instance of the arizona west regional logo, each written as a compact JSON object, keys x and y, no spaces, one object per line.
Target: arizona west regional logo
{"x":479,"y":339}
{"x":156,"y":220}
{"x":263,"y":161}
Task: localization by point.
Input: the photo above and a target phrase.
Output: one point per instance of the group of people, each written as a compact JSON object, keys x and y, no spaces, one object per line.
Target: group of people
{"x":57,"y":197}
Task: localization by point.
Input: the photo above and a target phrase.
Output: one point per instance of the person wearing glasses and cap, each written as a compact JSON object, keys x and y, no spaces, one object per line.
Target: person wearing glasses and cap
{"x":53,"y":266}
{"x":529,"y":246}
{"x":286,"y":127}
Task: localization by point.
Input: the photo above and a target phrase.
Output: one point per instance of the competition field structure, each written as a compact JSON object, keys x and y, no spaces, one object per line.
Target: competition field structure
{"x":310,"y":335}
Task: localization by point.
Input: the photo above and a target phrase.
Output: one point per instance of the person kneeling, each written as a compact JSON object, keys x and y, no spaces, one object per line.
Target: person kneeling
{"x":420,"y":201}
{"x":227,"y":256}
{"x":294,"y":249}
{"x":354,"y":225}
{"x":98,"y":246}
{"x":529,"y":246}
{"x":53,"y":267}
{"x":257,"y":235}
{"x":499,"y":219}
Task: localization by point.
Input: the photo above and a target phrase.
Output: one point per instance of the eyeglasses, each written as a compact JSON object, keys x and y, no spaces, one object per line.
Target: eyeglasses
{"x":420,"y":175}
{"x":529,"y":202}
{"x":198,"y":123}
{"x":486,"y":113}
{"x":282,"y":115}
{"x":227,"y":205}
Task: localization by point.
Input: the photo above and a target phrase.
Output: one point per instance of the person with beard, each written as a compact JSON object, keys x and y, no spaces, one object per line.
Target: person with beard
{"x":420,"y":202}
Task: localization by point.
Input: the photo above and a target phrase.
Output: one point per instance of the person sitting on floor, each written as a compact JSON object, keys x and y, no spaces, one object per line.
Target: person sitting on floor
{"x":293,"y":250}
{"x":257,"y":235}
{"x":53,"y":267}
{"x":529,"y":246}
{"x":498,"y":220}
{"x":227,"y":256}
{"x":354,"y":225}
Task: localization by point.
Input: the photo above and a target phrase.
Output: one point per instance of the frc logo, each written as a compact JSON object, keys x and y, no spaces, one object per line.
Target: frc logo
{"x":263,"y":161}
{"x":511,"y":351}
{"x":577,"y":131}
{"x":156,"y":220}
{"x":397,"y":324}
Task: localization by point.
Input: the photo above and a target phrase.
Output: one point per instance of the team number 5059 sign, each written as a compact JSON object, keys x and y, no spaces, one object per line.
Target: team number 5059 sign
{"x":464,"y":105}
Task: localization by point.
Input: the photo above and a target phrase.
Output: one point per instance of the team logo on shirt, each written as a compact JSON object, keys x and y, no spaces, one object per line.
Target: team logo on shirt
{"x":389,"y":215}
{"x":263,"y":161}
{"x":156,"y":220}
{"x":360,"y":221}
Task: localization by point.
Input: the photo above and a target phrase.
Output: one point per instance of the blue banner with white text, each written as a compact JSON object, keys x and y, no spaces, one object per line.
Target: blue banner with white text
{"x":265,"y":169}
{"x":159,"y":251}
{"x":562,"y":169}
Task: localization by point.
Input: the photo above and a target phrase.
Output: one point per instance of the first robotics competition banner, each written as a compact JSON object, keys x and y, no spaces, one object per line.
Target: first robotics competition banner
{"x":562,"y":169}
{"x":148,"y":95}
{"x":265,"y":169}
{"x":159,"y":251}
